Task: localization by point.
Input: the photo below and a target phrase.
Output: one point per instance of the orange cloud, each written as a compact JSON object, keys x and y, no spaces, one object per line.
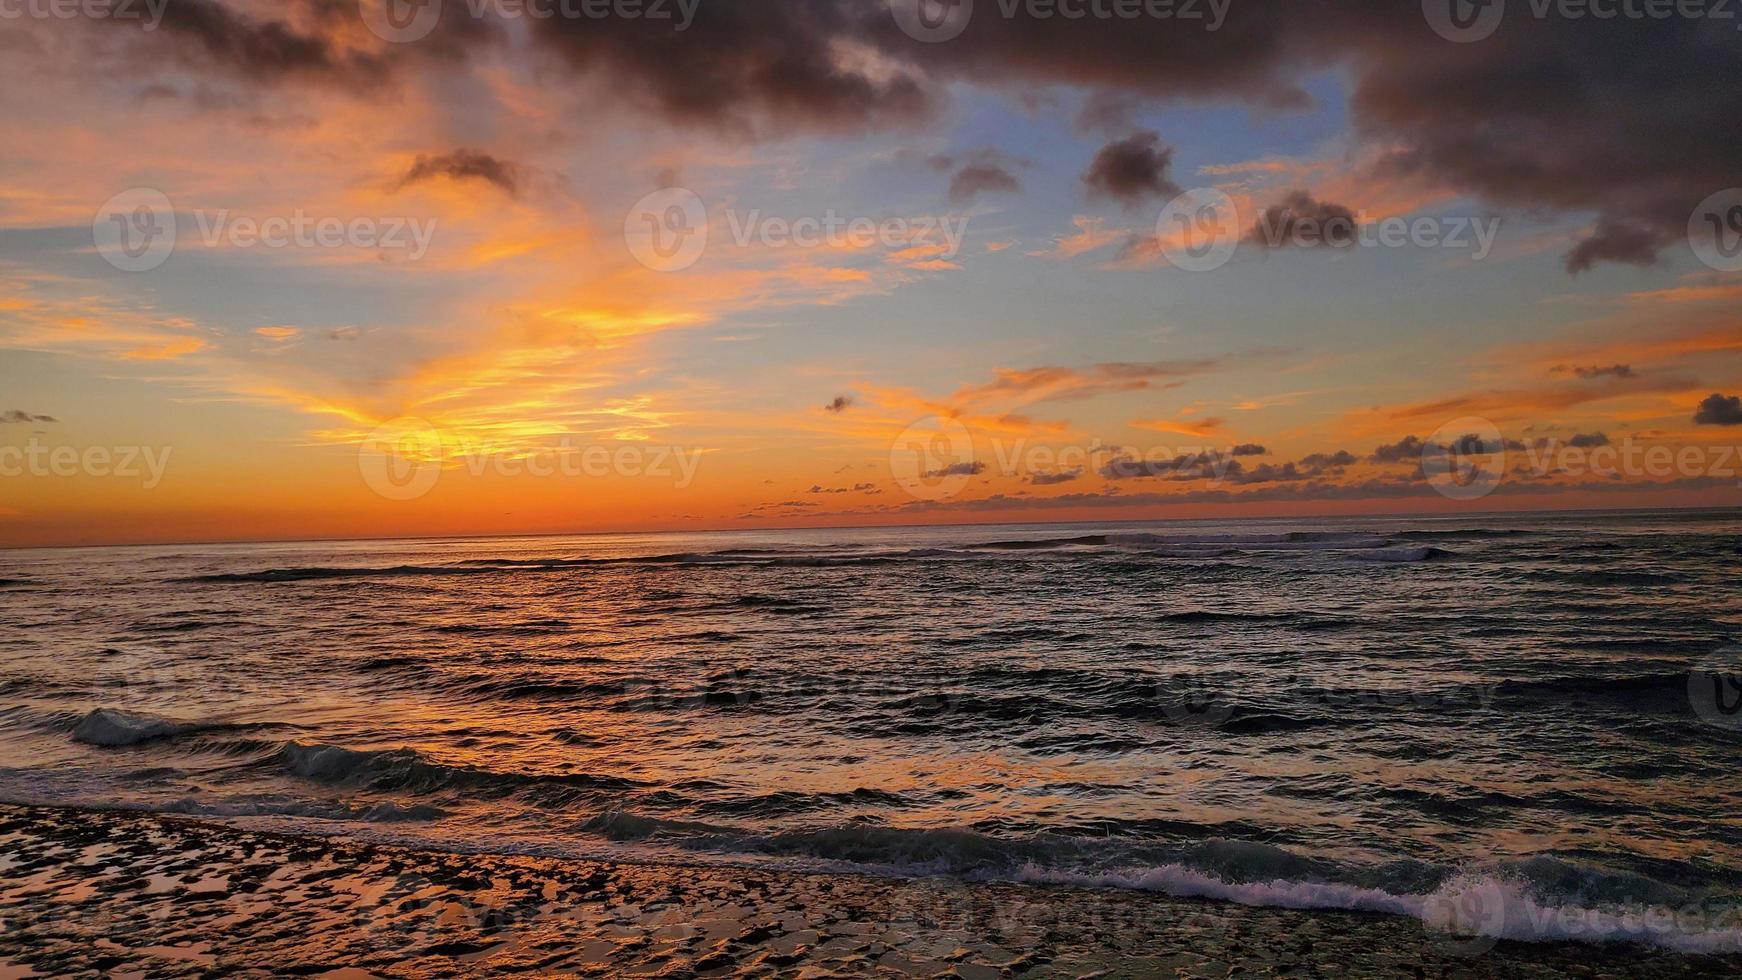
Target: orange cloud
{"x":1062,"y":384}
{"x":1092,"y":234}
{"x":165,"y":351}
{"x":1201,"y":428}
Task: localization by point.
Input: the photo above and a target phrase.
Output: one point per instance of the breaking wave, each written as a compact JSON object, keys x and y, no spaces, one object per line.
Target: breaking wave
{"x":110,"y":728}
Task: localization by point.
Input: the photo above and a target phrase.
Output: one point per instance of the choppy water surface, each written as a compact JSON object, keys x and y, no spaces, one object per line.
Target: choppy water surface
{"x":1360,"y":713}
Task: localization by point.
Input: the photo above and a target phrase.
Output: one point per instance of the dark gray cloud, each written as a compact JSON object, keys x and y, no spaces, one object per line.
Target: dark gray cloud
{"x":840,"y":404}
{"x":1720,"y":410}
{"x":212,"y":36}
{"x":1304,"y":222}
{"x":1413,"y":451}
{"x":1307,"y":468}
{"x":981,"y":178}
{"x":1470,"y":444}
{"x":1270,"y":473}
{"x":982,"y":171}
{"x":1329,"y":461}
{"x":1570,"y":115}
{"x":1125,"y":468}
{"x":1132,"y":171}
{"x":1249,"y":449}
{"x":958,"y":469}
{"x":19,"y":417}
{"x":753,"y":66}
{"x":1108,"y":112}
{"x":1622,"y":240}
{"x":1054,"y":479}
{"x":1626,"y":118}
{"x":1629,"y":119}
{"x":1408,"y":450}
{"x":1185,"y":466}
{"x":1620,"y":371}
{"x":1386,"y":488}
{"x":465,"y":164}
{"x":1589,"y":441}
{"x":1223,"y":466}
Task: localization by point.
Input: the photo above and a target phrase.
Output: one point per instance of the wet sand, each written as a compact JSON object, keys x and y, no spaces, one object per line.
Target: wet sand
{"x":119,"y":894}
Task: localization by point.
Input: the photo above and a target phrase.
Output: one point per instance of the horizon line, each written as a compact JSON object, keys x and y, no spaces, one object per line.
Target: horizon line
{"x":1401,"y":515}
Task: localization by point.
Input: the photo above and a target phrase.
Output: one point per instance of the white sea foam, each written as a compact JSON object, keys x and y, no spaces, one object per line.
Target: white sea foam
{"x":1249,"y":542}
{"x":1472,"y":906}
{"x":1183,"y":882}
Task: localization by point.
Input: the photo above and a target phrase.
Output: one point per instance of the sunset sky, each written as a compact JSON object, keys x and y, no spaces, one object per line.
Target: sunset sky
{"x":254,"y":386}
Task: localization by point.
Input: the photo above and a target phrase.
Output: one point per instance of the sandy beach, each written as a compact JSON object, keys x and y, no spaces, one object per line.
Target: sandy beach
{"x":125,"y":894}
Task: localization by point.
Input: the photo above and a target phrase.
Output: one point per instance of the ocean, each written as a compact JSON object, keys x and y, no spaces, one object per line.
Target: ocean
{"x":1528,"y":724}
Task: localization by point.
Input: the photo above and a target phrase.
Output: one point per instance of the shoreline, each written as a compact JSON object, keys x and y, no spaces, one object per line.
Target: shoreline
{"x":126,"y":892}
